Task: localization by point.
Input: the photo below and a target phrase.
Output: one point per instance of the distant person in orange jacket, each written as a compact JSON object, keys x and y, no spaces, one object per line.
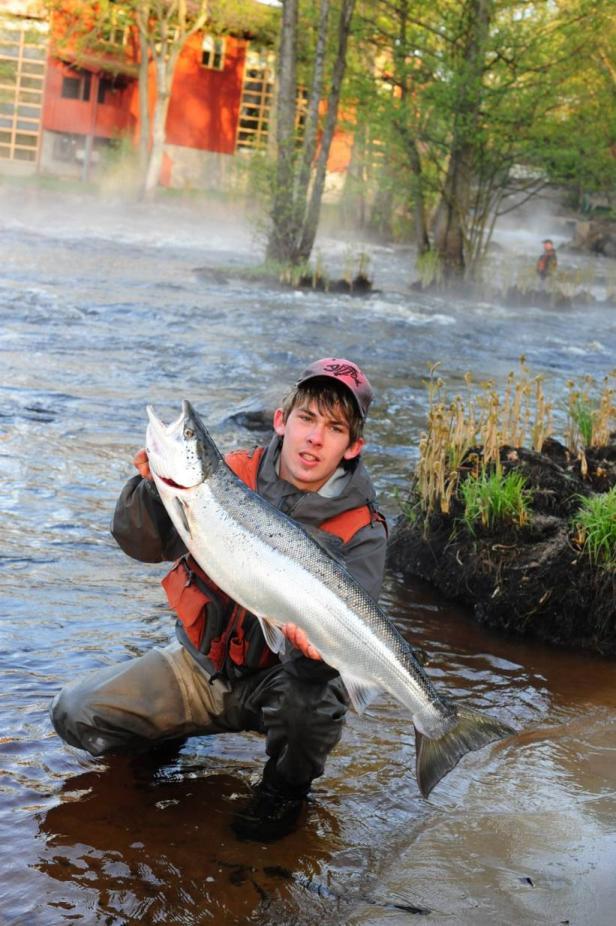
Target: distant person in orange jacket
{"x":548,"y":261}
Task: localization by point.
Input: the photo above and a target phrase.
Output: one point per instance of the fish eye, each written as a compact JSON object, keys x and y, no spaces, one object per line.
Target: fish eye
{"x":189,"y":433}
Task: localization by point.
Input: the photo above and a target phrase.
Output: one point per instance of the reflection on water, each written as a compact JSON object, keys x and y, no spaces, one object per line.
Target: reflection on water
{"x":159,"y":848}
{"x":107,"y":315}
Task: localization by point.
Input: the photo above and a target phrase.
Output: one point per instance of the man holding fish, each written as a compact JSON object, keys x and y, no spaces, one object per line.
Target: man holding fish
{"x":230,"y":670}
{"x":278,"y":546}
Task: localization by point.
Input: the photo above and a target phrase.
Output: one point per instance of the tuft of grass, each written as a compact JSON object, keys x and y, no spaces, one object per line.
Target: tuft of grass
{"x":581,"y":415}
{"x":591,"y":413}
{"x":595,"y":523}
{"x":495,"y":498}
{"x":410,"y":505}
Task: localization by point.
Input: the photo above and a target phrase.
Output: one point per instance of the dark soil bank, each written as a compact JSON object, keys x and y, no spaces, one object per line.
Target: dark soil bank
{"x":534,"y":580}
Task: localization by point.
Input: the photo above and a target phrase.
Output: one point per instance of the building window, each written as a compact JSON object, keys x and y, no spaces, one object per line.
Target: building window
{"x":66,"y":145}
{"x":213,"y":53}
{"x":23,"y":44}
{"x":78,"y":87}
{"x":104,"y":86}
{"x":118,"y":27}
{"x":256,"y":102}
{"x":71,"y":87}
{"x":255,"y":109}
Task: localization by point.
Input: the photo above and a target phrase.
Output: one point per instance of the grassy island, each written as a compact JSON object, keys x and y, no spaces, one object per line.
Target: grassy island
{"x":505,"y":517}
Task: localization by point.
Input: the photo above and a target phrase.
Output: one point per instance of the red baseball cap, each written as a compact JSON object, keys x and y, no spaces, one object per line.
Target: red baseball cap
{"x":345,"y":372}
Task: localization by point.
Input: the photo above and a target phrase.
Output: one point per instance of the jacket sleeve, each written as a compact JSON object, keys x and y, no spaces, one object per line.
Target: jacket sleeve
{"x":141,"y":525}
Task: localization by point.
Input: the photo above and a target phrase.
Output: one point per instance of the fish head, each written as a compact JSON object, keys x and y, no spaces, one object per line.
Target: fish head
{"x":182,"y":454}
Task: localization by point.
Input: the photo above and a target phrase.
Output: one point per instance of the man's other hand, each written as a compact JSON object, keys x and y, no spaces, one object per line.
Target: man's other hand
{"x":300,"y":641}
{"x":142,"y":464}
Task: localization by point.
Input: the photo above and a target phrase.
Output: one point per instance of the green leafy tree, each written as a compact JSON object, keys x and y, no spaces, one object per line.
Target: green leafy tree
{"x":471,"y":100}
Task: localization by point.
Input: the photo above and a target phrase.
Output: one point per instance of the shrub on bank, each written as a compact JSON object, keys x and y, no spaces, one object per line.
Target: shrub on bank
{"x":596,"y":526}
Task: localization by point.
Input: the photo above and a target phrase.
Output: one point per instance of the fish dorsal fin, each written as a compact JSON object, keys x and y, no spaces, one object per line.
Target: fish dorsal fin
{"x":360,"y":692}
{"x":274,"y":637}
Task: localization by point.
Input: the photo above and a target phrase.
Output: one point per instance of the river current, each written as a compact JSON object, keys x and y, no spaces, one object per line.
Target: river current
{"x":102,"y":312}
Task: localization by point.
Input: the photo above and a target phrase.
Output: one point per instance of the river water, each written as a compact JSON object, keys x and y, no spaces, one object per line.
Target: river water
{"x":101,"y":313}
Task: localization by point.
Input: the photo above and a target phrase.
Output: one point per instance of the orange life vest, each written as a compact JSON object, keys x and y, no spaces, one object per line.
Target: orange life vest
{"x":217,"y":626}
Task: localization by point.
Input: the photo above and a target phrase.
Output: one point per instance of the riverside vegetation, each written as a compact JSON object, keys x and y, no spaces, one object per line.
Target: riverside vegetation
{"x":506,"y":518}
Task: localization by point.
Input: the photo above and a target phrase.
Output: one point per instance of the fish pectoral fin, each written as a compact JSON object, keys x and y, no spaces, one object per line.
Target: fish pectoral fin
{"x":360,"y":692}
{"x":274,"y":637}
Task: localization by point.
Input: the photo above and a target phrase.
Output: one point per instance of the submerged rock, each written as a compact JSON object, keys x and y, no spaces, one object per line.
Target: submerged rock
{"x":534,"y":580}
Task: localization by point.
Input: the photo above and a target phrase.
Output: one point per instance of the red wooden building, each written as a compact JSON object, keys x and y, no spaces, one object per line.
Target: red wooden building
{"x":220,"y":104}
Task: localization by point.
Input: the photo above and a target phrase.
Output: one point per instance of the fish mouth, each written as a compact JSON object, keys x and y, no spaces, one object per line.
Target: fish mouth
{"x":161,"y":443}
{"x":173,"y":484}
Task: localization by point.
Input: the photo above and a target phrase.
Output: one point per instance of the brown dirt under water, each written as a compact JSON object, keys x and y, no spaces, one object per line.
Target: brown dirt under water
{"x":534,"y":580}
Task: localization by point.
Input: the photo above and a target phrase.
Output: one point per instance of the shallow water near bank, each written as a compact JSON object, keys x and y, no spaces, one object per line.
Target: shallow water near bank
{"x":102,"y":313}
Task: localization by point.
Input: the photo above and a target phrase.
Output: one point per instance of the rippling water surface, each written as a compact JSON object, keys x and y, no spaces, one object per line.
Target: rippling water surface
{"x":102,"y":312}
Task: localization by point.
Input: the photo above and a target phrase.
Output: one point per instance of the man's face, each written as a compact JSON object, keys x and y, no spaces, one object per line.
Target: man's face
{"x":314,"y":445}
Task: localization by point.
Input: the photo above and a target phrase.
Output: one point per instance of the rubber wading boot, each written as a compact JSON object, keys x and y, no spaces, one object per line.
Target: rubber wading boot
{"x":270,"y":814}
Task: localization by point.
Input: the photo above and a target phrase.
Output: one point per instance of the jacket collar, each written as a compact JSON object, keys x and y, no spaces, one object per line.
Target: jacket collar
{"x":346,"y":488}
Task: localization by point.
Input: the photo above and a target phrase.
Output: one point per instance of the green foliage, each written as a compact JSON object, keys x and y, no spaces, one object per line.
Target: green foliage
{"x":493,"y":498}
{"x":596,"y":525}
{"x":581,"y":413}
{"x":257,"y":176}
{"x":538,"y":104}
{"x":245,"y":17}
{"x":429,"y":268}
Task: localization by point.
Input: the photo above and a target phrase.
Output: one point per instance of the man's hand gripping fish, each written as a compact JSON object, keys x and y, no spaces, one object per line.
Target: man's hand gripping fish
{"x":270,"y":565}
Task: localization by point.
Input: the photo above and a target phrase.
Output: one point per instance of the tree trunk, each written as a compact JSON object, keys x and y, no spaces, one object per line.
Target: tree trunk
{"x":311,"y":221}
{"x":312,"y":116}
{"x":406,"y":130}
{"x":453,"y":209}
{"x":164,"y":28}
{"x":164,"y":79}
{"x":422,"y":237}
{"x":281,"y":237}
{"x":144,"y":104}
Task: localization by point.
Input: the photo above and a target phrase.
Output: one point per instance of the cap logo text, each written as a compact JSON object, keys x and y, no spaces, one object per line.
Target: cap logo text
{"x":344,"y":369}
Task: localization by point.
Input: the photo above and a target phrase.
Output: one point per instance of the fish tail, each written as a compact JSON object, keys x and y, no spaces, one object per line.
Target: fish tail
{"x":436,"y":757}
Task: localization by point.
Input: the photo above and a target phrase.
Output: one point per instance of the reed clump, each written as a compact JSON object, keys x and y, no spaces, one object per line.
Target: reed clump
{"x":473,"y":427}
{"x":465,"y":435}
{"x":591,"y":417}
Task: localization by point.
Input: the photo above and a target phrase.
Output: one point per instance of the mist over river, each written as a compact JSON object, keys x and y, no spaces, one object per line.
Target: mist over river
{"x":101,"y":313}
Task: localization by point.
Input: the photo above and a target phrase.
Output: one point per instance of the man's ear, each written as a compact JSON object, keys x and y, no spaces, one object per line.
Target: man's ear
{"x":354,"y":449}
{"x":279,"y":422}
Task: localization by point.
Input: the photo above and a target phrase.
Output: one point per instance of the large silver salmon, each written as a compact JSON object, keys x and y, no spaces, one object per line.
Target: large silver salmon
{"x":274,"y":568}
